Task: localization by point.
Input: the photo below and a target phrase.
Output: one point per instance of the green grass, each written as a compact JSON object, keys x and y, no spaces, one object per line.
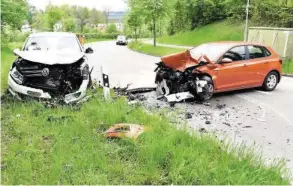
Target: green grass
{"x":66,"y":145}
{"x":91,"y":40}
{"x":7,"y":58}
{"x":287,"y":66}
{"x":222,"y":31}
{"x":151,"y":50}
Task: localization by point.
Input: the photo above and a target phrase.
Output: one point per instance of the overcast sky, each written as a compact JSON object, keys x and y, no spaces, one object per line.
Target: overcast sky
{"x":114,"y":5}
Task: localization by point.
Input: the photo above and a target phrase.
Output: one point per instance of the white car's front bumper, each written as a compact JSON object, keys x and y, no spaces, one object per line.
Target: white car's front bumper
{"x":15,"y":88}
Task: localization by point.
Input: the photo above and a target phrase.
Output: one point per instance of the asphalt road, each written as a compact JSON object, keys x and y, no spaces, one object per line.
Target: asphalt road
{"x":252,"y":116}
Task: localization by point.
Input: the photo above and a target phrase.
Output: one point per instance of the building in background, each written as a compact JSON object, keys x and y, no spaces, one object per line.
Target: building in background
{"x":26,"y":28}
{"x":58,"y":26}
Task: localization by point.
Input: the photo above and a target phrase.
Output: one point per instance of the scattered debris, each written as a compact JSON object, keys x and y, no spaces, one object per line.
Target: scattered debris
{"x":178,"y":97}
{"x":247,"y":127}
{"x":207,"y":104}
{"x":221,"y":106}
{"x":208,"y":122}
{"x":123,"y":130}
{"x":134,"y":102}
{"x":188,"y":115}
{"x":225,"y":123}
{"x":203,"y":130}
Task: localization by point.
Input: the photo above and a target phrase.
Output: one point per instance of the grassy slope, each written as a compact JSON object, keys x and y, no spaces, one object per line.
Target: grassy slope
{"x":41,"y":147}
{"x":96,"y":40}
{"x":214,"y":32}
{"x":151,"y":50}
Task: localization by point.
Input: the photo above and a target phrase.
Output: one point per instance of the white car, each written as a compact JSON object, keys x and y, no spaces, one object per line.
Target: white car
{"x":121,"y":40}
{"x":50,"y":64}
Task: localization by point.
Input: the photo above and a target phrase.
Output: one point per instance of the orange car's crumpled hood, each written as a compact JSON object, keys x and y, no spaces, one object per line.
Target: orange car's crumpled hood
{"x":179,"y":61}
{"x":183,"y":60}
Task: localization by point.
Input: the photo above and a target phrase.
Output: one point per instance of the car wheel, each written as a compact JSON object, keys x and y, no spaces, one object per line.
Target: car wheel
{"x":271,"y":81}
{"x":208,"y":90}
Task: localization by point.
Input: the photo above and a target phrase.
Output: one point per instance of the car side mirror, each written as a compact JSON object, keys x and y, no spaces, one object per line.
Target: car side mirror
{"x":89,"y":50}
{"x":226,"y":60}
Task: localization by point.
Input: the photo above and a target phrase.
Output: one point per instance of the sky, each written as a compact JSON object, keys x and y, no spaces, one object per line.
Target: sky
{"x":114,"y":5}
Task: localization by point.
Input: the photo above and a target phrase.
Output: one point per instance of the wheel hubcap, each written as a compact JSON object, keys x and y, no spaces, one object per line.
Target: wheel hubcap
{"x":271,"y":81}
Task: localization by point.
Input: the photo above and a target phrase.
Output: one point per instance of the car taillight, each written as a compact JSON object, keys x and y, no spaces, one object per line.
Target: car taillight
{"x":281,"y":61}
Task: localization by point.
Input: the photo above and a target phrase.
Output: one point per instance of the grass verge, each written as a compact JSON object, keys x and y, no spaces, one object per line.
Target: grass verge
{"x":151,"y":50}
{"x":222,"y":31}
{"x":287,"y":66}
{"x":66,"y":145}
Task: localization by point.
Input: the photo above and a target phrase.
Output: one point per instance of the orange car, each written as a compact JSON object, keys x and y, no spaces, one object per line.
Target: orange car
{"x":219,"y":67}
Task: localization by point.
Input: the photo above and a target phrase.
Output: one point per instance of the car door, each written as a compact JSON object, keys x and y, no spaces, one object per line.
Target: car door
{"x":230,"y":70}
{"x":257,"y":64}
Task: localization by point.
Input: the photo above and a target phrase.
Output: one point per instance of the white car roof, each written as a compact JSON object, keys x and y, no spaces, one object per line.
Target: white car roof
{"x":56,"y":34}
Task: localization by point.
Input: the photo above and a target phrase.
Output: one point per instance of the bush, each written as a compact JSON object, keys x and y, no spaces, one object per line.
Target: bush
{"x":99,"y":35}
{"x":9,"y":35}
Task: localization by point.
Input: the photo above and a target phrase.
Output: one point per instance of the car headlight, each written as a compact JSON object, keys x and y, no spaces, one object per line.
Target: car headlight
{"x":18,"y":77}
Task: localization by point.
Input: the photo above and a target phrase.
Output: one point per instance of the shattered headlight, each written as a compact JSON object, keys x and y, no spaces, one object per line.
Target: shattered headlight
{"x":85,"y":72}
{"x":18,"y":77}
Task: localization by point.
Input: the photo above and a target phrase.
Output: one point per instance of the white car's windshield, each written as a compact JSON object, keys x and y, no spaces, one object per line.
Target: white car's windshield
{"x":121,"y":38}
{"x":58,"y":43}
{"x":212,"y":51}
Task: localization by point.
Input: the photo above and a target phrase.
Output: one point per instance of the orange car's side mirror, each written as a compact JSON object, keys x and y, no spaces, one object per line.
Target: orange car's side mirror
{"x":226,"y":60}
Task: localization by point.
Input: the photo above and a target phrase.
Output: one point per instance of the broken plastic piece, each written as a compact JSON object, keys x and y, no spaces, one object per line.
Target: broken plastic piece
{"x":178,"y":97}
{"x":132,"y":131}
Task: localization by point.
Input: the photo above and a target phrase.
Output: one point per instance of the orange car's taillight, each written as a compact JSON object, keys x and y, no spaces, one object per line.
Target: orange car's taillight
{"x":281,"y":61}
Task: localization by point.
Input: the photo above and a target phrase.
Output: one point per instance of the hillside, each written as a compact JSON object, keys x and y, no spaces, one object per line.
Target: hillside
{"x":220,"y":31}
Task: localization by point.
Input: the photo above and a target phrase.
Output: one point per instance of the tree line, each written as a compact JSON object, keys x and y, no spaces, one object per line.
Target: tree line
{"x":174,"y":16}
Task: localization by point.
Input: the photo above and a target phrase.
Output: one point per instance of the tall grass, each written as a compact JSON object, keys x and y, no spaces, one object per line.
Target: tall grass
{"x":222,"y":31}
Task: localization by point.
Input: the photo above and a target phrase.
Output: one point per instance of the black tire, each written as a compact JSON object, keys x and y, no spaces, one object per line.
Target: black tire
{"x":208,"y":90}
{"x":271,"y":81}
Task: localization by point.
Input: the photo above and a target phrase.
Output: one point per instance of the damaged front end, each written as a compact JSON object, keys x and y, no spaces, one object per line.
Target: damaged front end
{"x":46,"y":81}
{"x":178,"y":78}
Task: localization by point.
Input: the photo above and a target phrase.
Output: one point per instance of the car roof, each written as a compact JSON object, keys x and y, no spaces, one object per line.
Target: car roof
{"x":236,"y":43}
{"x":56,"y":34}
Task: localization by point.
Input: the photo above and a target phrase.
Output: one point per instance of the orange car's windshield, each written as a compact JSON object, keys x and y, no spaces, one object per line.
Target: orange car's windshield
{"x":212,"y":51}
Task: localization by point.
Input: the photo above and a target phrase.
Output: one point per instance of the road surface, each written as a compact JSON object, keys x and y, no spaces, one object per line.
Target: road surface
{"x":253,"y":116}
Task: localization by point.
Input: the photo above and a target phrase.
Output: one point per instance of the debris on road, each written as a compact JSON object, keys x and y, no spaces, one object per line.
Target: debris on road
{"x":247,"y":127}
{"x":208,"y":122}
{"x":178,"y":97}
{"x":221,"y":106}
{"x":123,"y":130}
{"x":225,"y":123}
{"x":188,"y":115}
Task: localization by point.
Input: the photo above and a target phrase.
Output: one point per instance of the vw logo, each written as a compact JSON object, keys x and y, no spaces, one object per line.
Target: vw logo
{"x":45,"y":72}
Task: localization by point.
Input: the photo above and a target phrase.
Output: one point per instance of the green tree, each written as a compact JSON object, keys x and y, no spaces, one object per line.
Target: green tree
{"x":14,"y":12}
{"x":111,"y":28}
{"x":134,"y":21}
{"x":53,"y":15}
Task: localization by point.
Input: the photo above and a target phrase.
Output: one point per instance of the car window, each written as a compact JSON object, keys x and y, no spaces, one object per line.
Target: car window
{"x":236,"y":54}
{"x":256,"y":52}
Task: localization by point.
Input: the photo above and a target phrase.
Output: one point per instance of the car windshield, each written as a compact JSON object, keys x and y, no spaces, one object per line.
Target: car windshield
{"x":121,"y":37}
{"x":59,"y":43}
{"x":212,"y":51}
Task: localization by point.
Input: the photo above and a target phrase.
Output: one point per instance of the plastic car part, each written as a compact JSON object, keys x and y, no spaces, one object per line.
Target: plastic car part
{"x":124,"y":130}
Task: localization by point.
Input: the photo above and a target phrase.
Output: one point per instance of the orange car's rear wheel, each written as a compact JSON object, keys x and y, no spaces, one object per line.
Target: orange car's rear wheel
{"x":271,"y":81}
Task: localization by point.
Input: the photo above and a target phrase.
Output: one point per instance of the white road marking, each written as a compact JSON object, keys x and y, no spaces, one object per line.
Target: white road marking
{"x":263,"y":92}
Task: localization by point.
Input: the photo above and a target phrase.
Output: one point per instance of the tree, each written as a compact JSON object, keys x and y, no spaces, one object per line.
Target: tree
{"x":134,"y":21}
{"x":106,"y":13}
{"x":151,"y":10}
{"x":53,"y":15}
{"x":82,"y":16}
{"x":14,"y":12}
{"x":111,"y":28}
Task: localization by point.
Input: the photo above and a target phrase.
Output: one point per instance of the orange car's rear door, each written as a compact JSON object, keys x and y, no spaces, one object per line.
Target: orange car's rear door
{"x":232,"y":75}
{"x":257,"y":66}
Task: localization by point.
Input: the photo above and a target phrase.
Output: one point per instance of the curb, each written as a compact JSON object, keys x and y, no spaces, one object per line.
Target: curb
{"x":288,"y":75}
{"x":143,"y":53}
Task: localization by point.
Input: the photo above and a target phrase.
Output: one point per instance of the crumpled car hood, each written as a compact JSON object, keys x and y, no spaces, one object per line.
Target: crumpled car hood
{"x":179,"y":61}
{"x":183,"y":60}
{"x":50,"y":57}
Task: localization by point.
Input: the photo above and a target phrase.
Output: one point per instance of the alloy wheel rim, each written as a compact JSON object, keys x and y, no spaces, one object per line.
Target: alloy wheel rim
{"x":271,"y":81}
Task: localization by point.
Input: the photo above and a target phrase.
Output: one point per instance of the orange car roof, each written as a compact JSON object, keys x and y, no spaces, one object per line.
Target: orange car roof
{"x":236,"y":43}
